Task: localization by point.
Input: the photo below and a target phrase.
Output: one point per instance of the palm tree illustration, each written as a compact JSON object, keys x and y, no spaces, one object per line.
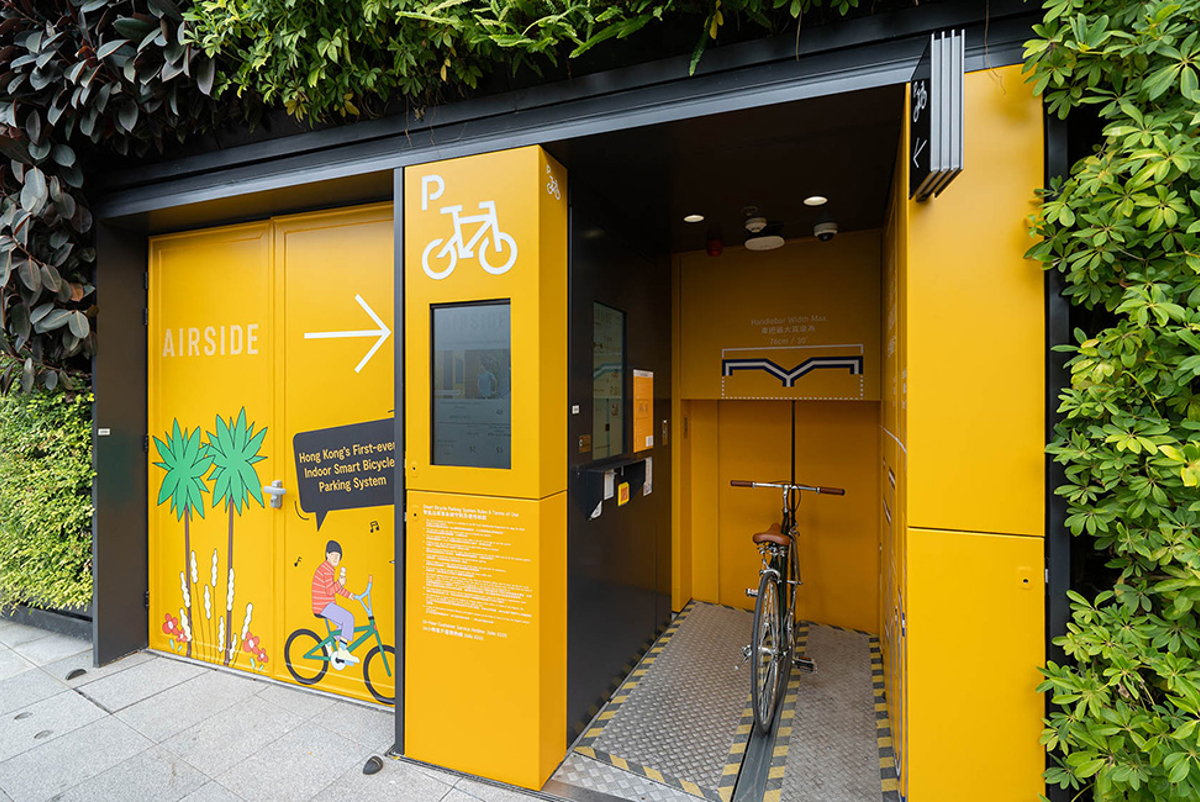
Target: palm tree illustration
{"x":186,"y":460}
{"x":234,"y":448}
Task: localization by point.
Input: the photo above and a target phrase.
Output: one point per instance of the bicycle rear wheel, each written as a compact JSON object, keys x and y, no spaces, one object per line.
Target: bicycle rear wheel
{"x":765,"y":659}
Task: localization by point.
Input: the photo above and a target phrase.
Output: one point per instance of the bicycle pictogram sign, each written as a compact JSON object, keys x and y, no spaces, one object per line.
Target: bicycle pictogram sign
{"x":497,"y":249}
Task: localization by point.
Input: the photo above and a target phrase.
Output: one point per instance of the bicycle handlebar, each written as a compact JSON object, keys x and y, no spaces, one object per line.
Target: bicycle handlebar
{"x":818,"y":489}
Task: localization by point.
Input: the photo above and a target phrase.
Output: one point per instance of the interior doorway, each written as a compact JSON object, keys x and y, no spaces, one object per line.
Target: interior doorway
{"x":777,"y":369}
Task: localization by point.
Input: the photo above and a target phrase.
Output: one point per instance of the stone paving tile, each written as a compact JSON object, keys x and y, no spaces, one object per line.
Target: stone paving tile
{"x":50,"y":648}
{"x":295,"y":767}
{"x":374,"y":729}
{"x":22,"y":690}
{"x":220,"y":741}
{"x":471,"y":791}
{"x":155,"y":775}
{"x":396,"y":780}
{"x":31,"y":726}
{"x":63,"y":763}
{"x":14,"y":634}
{"x":61,"y":668}
{"x":120,"y":690}
{"x":188,"y":703}
{"x":304,"y":704}
{"x":12,"y":663}
{"x":213,"y":792}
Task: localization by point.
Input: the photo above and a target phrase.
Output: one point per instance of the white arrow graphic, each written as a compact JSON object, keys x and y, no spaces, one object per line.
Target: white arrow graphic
{"x":383,"y":332}
{"x":920,"y":146}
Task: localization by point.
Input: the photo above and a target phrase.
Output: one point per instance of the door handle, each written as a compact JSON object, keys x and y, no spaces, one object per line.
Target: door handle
{"x":276,"y":491}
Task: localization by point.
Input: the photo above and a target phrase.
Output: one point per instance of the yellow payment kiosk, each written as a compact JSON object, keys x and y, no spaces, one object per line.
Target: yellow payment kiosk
{"x":271,"y":449}
{"x":485,"y":320}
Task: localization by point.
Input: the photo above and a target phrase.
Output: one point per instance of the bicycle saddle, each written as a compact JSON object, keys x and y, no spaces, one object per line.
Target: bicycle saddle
{"x":773,"y":535}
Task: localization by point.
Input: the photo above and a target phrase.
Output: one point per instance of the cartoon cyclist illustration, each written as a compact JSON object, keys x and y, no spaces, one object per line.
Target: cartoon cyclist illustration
{"x":325,"y":590}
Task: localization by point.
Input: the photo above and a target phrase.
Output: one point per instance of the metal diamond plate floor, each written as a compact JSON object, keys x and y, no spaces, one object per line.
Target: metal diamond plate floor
{"x":583,"y":772}
{"x":666,"y":735}
{"x":682,"y":716}
{"x":833,"y":755}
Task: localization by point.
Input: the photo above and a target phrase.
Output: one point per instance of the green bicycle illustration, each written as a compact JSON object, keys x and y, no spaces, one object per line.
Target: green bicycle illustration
{"x":317,"y":654}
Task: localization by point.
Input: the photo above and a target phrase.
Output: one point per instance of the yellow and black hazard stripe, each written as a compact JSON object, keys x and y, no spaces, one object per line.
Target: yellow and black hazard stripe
{"x":737,"y":752}
{"x":613,"y":684}
{"x":585,"y":745}
{"x":650,"y":773}
{"x":621,"y":694}
{"x":888,"y":780}
{"x":773,"y":789}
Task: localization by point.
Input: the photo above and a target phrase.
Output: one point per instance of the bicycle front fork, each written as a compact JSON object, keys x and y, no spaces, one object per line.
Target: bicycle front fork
{"x":799,"y":662}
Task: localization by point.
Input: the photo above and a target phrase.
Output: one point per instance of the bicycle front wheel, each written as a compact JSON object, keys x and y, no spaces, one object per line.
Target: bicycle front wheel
{"x":305,"y":670}
{"x":379,"y":672}
{"x":765,"y":660}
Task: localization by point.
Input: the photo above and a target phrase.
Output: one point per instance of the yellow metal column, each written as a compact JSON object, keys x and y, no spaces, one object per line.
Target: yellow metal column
{"x":486,"y":674}
{"x":974,"y":399}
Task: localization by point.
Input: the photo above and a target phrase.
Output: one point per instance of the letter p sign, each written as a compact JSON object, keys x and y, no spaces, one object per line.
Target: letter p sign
{"x":427,"y":194}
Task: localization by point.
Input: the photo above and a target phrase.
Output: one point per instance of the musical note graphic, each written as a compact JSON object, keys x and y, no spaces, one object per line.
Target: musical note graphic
{"x":297,"y":563}
{"x":374,"y":526}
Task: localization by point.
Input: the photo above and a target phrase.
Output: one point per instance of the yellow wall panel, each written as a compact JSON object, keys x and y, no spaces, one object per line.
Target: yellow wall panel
{"x":212,"y":351}
{"x":313,"y":371}
{"x":797,"y":307}
{"x":975,"y":639}
{"x":975,"y":364}
{"x":701,"y":431}
{"x":836,"y":445}
{"x":230,"y":313}
{"x":486,"y":677}
{"x":535,"y":283}
{"x":487,"y":537}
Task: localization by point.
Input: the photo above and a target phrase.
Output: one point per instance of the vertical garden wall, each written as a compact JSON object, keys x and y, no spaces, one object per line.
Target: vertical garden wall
{"x":46,"y":500}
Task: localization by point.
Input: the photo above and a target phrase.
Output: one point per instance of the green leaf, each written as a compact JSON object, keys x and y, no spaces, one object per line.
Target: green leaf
{"x":132,"y":28}
{"x":33,"y":194}
{"x":79,"y":324}
{"x":108,"y":48}
{"x":127,"y":116}
{"x":30,"y":275}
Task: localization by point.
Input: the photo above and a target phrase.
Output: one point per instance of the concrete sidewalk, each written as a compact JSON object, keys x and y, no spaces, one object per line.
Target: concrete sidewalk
{"x":150,"y":727}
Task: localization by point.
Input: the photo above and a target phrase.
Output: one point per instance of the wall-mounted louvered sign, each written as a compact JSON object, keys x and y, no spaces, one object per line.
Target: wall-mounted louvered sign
{"x":936,"y":116}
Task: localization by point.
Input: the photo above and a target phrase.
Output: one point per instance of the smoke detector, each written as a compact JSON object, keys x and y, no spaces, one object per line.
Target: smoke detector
{"x":761,"y":234}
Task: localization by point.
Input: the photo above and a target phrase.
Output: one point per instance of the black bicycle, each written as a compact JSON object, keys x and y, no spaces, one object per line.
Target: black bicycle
{"x":773,"y":638}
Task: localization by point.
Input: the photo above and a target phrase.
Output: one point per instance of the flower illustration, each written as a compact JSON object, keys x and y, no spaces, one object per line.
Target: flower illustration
{"x":261,"y":654}
{"x":250,"y":643}
{"x":171,"y":625}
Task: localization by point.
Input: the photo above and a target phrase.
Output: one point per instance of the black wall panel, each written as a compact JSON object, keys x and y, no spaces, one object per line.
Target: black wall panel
{"x":618,"y":563}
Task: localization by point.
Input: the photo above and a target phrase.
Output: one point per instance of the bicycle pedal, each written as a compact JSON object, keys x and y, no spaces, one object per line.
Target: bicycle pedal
{"x":752,"y":593}
{"x":805,"y":664}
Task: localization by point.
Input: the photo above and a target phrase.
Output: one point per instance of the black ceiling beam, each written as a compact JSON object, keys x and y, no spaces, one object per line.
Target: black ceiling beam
{"x":858,"y":54}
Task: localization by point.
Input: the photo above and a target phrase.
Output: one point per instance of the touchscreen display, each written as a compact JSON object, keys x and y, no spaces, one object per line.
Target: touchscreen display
{"x":472,"y":385}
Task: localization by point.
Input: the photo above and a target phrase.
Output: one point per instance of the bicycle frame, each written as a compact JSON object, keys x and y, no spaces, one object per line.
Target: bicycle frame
{"x":318,"y":652}
{"x":773,"y":641}
{"x":491,"y":223}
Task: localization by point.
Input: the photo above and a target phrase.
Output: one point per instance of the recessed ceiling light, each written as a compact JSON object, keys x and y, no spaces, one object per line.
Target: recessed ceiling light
{"x":694,"y":218}
{"x":816,"y":200}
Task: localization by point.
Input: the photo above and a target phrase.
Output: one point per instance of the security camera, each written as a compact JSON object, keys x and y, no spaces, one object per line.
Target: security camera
{"x":825,"y":231}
